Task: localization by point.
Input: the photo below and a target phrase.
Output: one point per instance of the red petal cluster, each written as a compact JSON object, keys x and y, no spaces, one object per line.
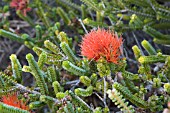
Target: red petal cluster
{"x":101,"y":43}
{"x":21,"y":5}
{"x":12,"y":100}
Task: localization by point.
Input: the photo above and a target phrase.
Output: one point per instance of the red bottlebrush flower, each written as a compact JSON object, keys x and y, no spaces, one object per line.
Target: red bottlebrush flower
{"x":21,"y":5}
{"x":101,"y":43}
{"x":12,"y":100}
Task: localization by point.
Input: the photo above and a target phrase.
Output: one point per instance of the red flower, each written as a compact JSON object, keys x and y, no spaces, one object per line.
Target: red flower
{"x":12,"y":100}
{"x":101,"y":43}
{"x":21,"y":5}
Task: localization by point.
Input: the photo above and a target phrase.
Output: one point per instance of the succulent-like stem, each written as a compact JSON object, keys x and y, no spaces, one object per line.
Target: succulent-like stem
{"x":4,"y":108}
{"x":38,"y":74}
{"x":73,"y":68}
{"x":16,"y":68}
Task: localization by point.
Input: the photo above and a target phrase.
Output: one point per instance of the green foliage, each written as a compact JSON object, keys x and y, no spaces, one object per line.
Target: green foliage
{"x":52,"y":74}
{"x":117,"y":98}
{"x":38,"y":32}
{"x":103,"y":68}
{"x":46,"y":99}
{"x":154,"y":103}
{"x":2,"y":82}
{"x":60,"y":95}
{"x":136,"y":51}
{"x":52,"y":47}
{"x":53,"y":30}
{"x":100,"y":110}
{"x":63,"y":15}
{"x":42,"y":59}
{"x":36,"y":104}
{"x":38,"y":73}
{"x":84,"y":92}
{"x":13,"y":36}
{"x":16,"y":67}
{"x":73,"y":69}
{"x":42,"y":14}
{"x":54,"y":59}
{"x":158,"y":37}
{"x":6,"y":79}
{"x":167,"y":87}
{"x":131,"y":86}
{"x":127,"y":94}
{"x":152,"y":59}
{"x":101,"y":86}
{"x":156,"y":82}
{"x":67,"y":50}
{"x":10,"y":109}
{"x":57,"y":87}
{"x":85,"y":80}
{"x":79,"y":102}
{"x":91,"y":4}
{"x":92,"y":23}
{"x":69,"y":108}
{"x":130,"y":76}
{"x":135,"y":22}
{"x":148,"y":47}
{"x":69,"y":3}
{"x":26,"y":18}
{"x":62,"y":36}
{"x":93,"y":78}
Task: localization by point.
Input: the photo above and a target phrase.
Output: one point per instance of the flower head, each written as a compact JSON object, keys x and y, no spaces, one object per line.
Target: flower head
{"x":12,"y":100}
{"x":101,"y":44}
{"x":21,"y":5}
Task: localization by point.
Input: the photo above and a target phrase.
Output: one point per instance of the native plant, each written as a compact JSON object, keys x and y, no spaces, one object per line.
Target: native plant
{"x":81,"y":64}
